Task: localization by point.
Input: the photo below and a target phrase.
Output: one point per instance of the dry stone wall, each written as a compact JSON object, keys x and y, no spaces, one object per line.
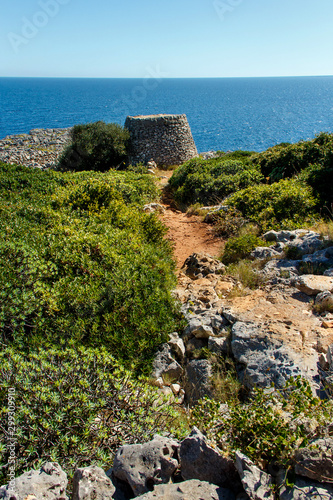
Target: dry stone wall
{"x":165,"y":139}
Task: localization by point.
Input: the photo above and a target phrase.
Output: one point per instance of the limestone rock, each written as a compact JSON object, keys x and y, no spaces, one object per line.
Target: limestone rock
{"x":325,"y":300}
{"x":48,"y":483}
{"x":316,"y":460}
{"x":177,"y":345}
{"x":257,"y":484}
{"x":263,"y":361}
{"x":153,"y":207}
{"x":199,"y":265}
{"x":188,"y":490}
{"x":218,"y":345}
{"x":198,"y":373}
{"x":144,"y":465}
{"x":312,"y":284}
{"x":165,"y":366}
{"x":329,"y":272}
{"x":305,"y":489}
{"x":264,"y":253}
{"x":199,"y":329}
{"x":198,"y":460}
{"x":324,"y":256}
{"x":91,"y":483}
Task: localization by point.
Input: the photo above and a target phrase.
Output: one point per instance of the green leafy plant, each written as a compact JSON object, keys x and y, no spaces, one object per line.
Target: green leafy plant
{"x":76,"y":406}
{"x":285,"y":204}
{"x":81,"y":261}
{"x":209,"y":181}
{"x":96,"y":146}
{"x":240,"y":247}
{"x":270,"y":426}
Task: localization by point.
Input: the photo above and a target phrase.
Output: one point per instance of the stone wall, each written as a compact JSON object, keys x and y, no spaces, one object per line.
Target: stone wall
{"x":166,"y":139}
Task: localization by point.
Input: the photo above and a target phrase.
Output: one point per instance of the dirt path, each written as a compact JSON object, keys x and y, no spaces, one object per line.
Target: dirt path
{"x":188,"y":234}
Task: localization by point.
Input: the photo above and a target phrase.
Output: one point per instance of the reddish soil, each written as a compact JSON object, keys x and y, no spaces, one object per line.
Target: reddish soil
{"x":187,"y":233}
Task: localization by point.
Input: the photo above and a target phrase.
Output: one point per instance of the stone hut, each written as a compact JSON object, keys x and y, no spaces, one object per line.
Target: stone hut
{"x":166,"y":139}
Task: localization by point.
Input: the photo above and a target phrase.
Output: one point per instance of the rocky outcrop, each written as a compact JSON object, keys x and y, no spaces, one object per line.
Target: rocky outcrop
{"x":165,"y":139}
{"x":263,"y":361}
{"x":48,"y":483}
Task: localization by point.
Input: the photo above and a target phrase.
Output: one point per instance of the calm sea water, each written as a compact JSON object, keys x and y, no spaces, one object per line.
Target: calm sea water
{"x":224,"y":113}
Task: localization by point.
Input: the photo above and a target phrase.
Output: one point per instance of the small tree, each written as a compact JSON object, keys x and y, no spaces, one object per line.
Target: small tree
{"x":96,"y":146}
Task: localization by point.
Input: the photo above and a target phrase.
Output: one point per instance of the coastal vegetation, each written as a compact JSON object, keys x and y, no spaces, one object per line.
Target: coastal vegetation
{"x":86,"y":280}
{"x":82,"y":264}
{"x":96,"y":146}
{"x":284,"y":187}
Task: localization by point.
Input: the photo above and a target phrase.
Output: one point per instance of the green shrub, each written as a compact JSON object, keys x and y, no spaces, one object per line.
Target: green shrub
{"x":80,"y":262}
{"x":286,"y":160}
{"x":75,"y":407}
{"x":268,"y":428}
{"x":240,"y":247}
{"x":96,"y":146}
{"x":209,"y":181}
{"x":285,"y":204}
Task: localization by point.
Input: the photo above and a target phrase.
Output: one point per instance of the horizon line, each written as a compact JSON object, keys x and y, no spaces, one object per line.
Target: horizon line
{"x":166,"y":78}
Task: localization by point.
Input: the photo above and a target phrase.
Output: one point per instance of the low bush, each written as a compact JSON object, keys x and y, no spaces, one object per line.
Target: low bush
{"x":209,"y":181}
{"x":287,"y":160}
{"x":240,"y":247}
{"x":287,"y":204}
{"x":96,"y":146}
{"x":75,"y":407}
{"x":270,"y":426}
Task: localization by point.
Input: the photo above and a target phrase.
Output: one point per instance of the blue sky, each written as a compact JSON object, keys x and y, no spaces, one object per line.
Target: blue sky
{"x":176,"y":38}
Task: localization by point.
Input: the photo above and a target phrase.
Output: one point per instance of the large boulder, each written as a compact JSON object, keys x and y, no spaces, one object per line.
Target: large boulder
{"x":91,"y":483}
{"x":316,"y":460}
{"x":48,"y":483}
{"x":262,"y":361}
{"x":188,"y":490}
{"x":198,"y":460}
{"x":142,"y":466}
{"x":256,"y":483}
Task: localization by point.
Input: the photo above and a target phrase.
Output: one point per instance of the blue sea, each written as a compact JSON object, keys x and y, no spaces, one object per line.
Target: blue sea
{"x":224,"y":113}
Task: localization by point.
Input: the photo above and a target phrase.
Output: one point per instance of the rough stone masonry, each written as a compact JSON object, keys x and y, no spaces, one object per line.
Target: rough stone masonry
{"x":166,"y":139}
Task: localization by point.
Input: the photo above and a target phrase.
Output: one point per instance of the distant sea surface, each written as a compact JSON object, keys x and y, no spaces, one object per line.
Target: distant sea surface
{"x":224,"y":113}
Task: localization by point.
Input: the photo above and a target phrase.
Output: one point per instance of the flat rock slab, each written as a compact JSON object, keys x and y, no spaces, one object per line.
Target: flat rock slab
{"x":312,"y":284}
{"x":188,"y":490}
